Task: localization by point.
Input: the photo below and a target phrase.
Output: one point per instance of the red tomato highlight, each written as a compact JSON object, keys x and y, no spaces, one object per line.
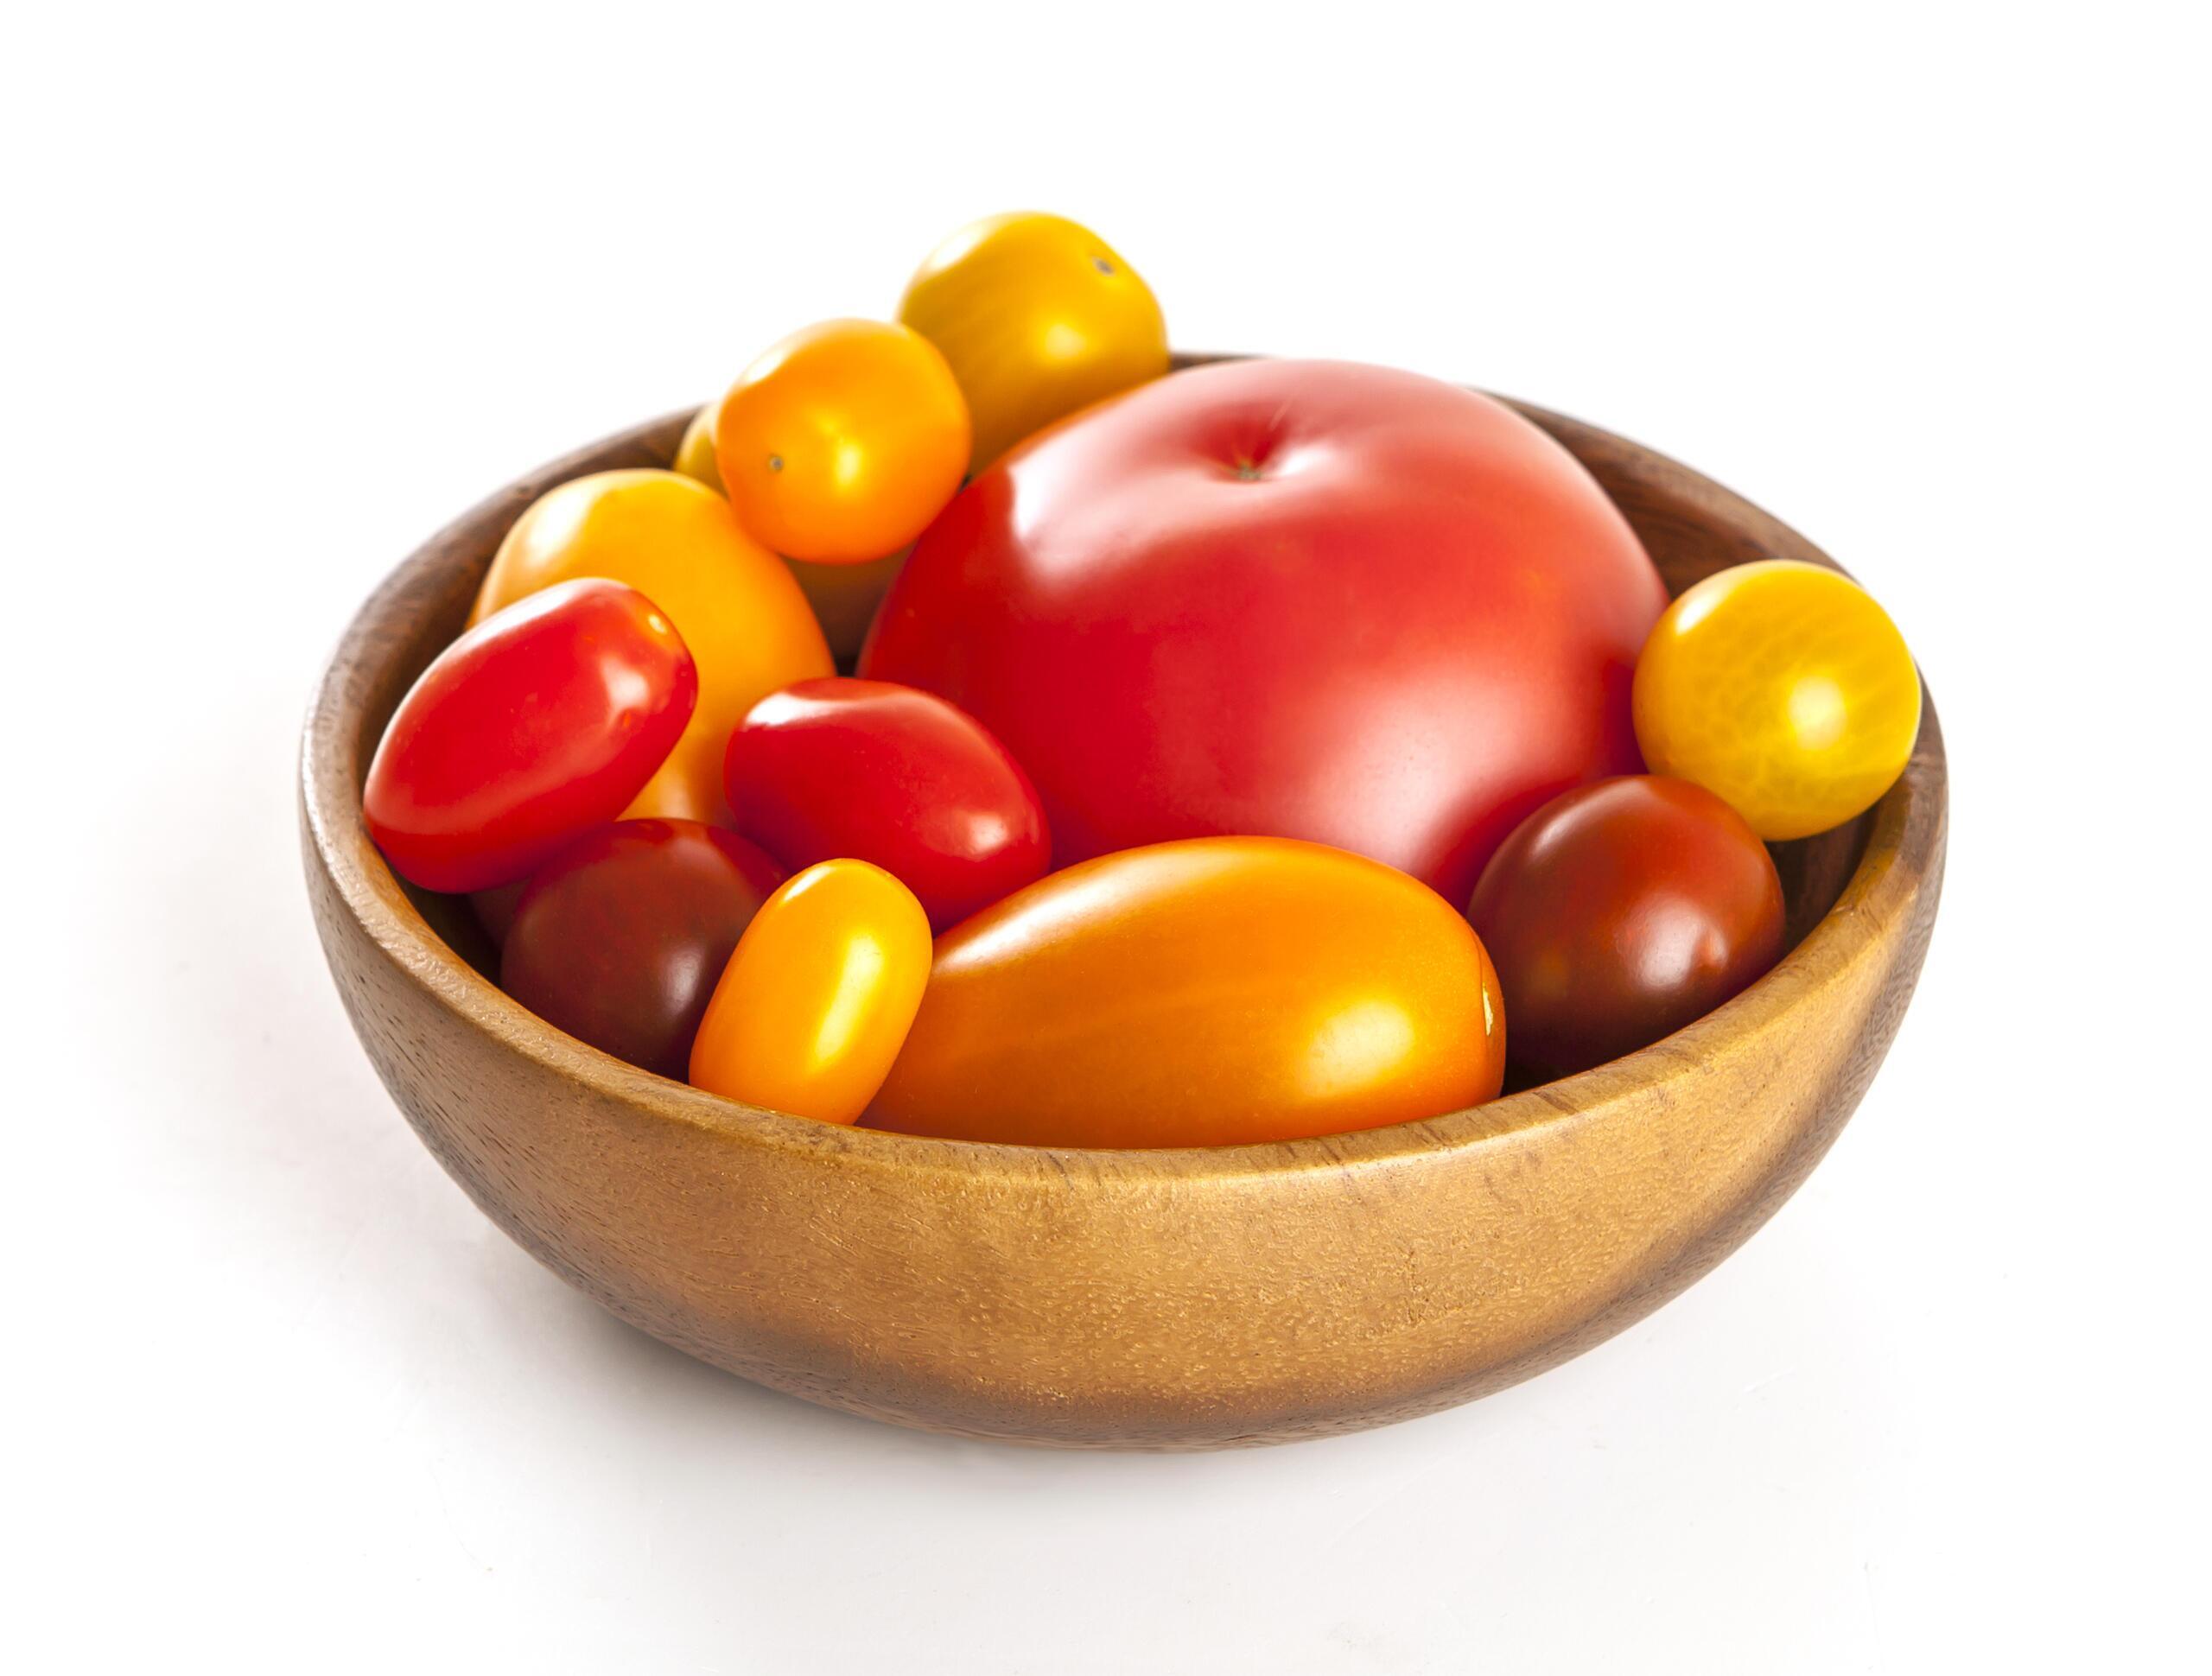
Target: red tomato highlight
{"x":1309,"y":599}
{"x":887,"y":774}
{"x":540,"y":723}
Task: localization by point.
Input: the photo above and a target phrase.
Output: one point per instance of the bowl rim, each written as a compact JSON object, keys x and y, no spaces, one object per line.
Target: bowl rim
{"x":1897,"y":863}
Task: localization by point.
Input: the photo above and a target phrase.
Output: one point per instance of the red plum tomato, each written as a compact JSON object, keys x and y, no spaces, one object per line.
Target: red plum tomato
{"x":621,"y":937}
{"x":541,"y":722}
{"x":878,"y":772}
{"x":1620,"y":912}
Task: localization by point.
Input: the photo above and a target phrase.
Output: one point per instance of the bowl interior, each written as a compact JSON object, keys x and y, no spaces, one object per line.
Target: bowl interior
{"x":1691,"y":529}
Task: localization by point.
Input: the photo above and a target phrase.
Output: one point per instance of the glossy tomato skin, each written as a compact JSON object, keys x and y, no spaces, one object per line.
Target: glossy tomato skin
{"x":747,"y":627}
{"x":619,"y":937}
{"x":1207,"y":992}
{"x":1621,"y":912}
{"x":1037,"y":316}
{"x":1783,"y":688}
{"x":537,"y":724}
{"x":890,"y":775}
{"x":817,"y":1001}
{"x":1310,"y":599}
{"x":841,"y":443}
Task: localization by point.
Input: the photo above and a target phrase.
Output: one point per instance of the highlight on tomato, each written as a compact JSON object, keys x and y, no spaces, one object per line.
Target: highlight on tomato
{"x":1203,"y":992}
{"x":816,"y":1000}
{"x":541,"y":721}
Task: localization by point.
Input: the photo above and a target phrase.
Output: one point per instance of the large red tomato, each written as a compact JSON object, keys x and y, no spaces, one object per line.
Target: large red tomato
{"x":1310,"y":599}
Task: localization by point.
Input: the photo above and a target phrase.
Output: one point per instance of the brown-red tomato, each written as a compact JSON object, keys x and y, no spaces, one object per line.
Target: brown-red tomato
{"x":879,"y":773}
{"x":1618,"y":913}
{"x":541,"y":722}
{"x":621,"y":937}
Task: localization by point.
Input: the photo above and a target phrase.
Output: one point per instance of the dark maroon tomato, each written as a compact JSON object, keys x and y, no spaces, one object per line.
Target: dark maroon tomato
{"x":883,"y":773}
{"x":620,"y":938}
{"x":1618,"y":913}
{"x":495,"y":908}
{"x":541,"y":722}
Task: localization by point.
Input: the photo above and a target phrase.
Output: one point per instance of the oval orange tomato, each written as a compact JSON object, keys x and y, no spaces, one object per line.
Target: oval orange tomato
{"x":1209,"y":992}
{"x":842,"y":442}
{"x":1782,"y":688}
{"x":1038,"y":316}
{"x":816,"y":1001}
{"x":744,"y":618}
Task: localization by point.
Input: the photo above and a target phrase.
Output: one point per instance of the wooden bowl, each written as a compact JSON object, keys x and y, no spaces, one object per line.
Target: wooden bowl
{"x":1185,"y":1299}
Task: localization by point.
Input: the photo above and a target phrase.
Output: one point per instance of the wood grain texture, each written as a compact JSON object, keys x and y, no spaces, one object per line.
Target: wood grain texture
{"x":1163,"y":1299}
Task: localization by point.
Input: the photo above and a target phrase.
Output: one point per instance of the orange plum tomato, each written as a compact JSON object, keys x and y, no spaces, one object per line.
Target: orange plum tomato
{"x":816,"y":1003}
{"x":736,"y":606}
{"x":1203,"y":992}
{"x":1620,"y":912}
{"x":618,"y":938}
{"x":1037,"y":316}
{"x":843,"y":442}
{"x":890,"y":775}
{"x":541,"y":721}
{"x":695,"y":455}
{"x":1782,"y":688}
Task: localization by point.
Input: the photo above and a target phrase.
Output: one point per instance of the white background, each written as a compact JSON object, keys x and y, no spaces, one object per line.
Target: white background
{"x":287,"y":286}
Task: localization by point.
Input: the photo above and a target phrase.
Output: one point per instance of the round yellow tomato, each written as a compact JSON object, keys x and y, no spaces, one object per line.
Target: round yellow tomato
{"x":816,"y":1002}
{"x":1782,"y":688}
{"x":842,"y":442}
{"x":1038,"y":316}
{"x":844,"y":596}
{"x":676,"y":542}
{"x":1203,"y":992}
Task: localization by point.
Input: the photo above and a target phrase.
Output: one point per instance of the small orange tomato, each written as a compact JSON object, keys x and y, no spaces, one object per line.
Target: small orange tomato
{"x":842,"y":442}
{"x":1783,"y":690}
{"x":1207,"y":992}
{"x":1038,"y":316}
{"x":816,"y":1002}
{"x":747,"y":624}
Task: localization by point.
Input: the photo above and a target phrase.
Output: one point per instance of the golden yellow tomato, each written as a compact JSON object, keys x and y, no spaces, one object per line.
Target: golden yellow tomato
{"x":1038,"y":316}
{"x":1203,"y":992}
{"x":842,"y":442}
{"x":695,"y":455}
{"x":818,"y":998}
{"x":1782,"y":688}
{"x":676,"y":542}
{"x":844,"y":596}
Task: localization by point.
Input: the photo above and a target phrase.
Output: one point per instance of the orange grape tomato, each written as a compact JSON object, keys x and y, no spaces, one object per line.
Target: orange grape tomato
{"x":1207,"y":992}
{"x":695,"y":455}
{"x":747,"y":625}
{"x":1782,"y":688}
{"x":1038,"y":316}
{"x":842,"y":442}
{"x":818,"y":998}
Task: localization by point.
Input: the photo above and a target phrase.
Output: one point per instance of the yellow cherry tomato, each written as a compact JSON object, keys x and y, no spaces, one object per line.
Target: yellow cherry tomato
{"x":695,"y":455}
{"x":676,"y":542}
{"x":842,"y":442}
{"x":816,"y":1002}
{"x":1206,"y":991}
{"x":1038,"y":316}
{"x":1782,"y":688}
{"x":844,"y":596}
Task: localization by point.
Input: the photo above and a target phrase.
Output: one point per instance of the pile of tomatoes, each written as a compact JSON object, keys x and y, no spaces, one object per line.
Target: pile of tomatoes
{"x":1232,"y":751}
